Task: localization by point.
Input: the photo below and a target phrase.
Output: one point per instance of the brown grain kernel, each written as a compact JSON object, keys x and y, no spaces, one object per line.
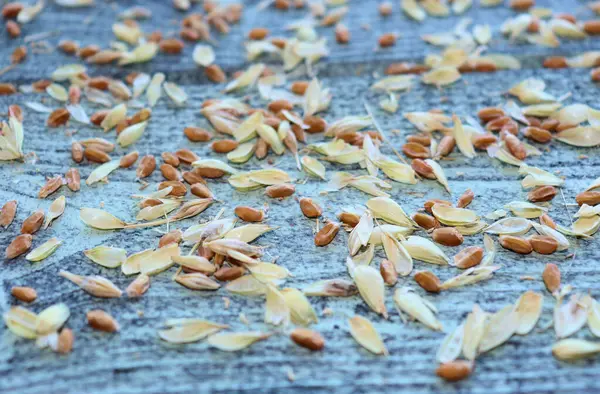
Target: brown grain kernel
{"x":146,"y":166}
{"x":100,"y":83}
{"x":324,"y":236}
{"x":25,"y":294}
{"x":131,"y":77}
{"x":551,"y":277}
{"x":262,"y":149}
{"x":211,"y":173}
{"x":69,"y":47}
{"x":280,"y":191}
{"x":515,"y":146}
{"x":16,"y":112}
{"x":150,"y":202}
{"x":104,"y":57}
{"x":447,"y":236}
{"x":315,"y":124}
{"x":140,"y":116}
{"x":73,"y":179}
{"x":186,"y":33}
{"x":430,"y":203}
{"x":170,"y":158}
{"x":33,"y":223}
{"x":388,"y":272}
{"x":468,"y":257}
{"x":405,"y":68}
{"x":279,"y":42}
{"x":139,"y":286}
{"x":18,"y":55}
{"x":309,"y":208}
{"x":547,"y":221}
{"x":249,"y":214}
{"x":51,"y":185}
{"x":122,"y":125}
{"x":102,"y":321}
{"x":171,"y":46}
{"x":87,"y":51}
{"x":516,"y":244}
{"x":74,"y":94}
{"x":490,"y":113}
{"x":58,"y":117}
{"x":465,"y":199}
{"x":425,"y":221}
{"x":542,"y":193}
{"x":533,"y":121}
{"x":521,"y":5}
{"x":13,"y":29}
{"x":192,"y":177}
{"x":568,"y":17}
{"x":342,"y":34}
{"x":226,"y":274}
{"x":169,"y":172}
{"x":282,"y":4}
{"x":172,"y":237}
{"x":497,"y":123}
{"x":7,"y":215}
{"x":215,"y":73}
{"x":349,"y":219}
{"x":129,"y":159}
{"x":445,"y":147}
{"x":11,"y":10}
{"x":96,"y":155}
{"x":65,"y":341}
{"x":482,"y":141}
{"x":511,"y":127}
{"x":186,"y":156}
{"x":484,"y":67}
{"x":556,"y":62}
{"x":543,"y":244}
{"x":385,"y":8}
{"x":428,"y":281}
{"x":273,"y":122}
{"x":298,"y":133}
{"x":201,"y":190}
{"x":415,"y":151}
{"x":220,"y":24}
{"x":592,"y":27}
{"x":595,"y":74}
{"x":387,"y":40}
{"x":278,"y":105}
{"x":299,"y":87}
{"x":565,"y":126}
{"x":258,"y":33}
{"x":454,"y":371}
{"x":179,"y":189}
{"x":18,"y":246}
{"x":423,"y":169}
{"x":98,"y":117}
{"x":589,"y":198}
{"x":422,"y":139}
{"x":224,"y":146}
{"x":7,"y":88}
{"x":308,"y":339}
{"x":549,"y":124}
{"x":537,"y":134}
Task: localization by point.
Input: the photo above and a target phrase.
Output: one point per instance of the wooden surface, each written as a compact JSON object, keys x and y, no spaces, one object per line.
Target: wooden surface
{"x":136,"y":361}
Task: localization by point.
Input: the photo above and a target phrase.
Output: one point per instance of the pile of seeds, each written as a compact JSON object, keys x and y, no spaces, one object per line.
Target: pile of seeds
{"x":210,"y":253}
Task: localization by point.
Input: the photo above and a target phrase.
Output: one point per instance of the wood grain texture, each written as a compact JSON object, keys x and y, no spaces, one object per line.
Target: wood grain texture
{"x":136,"y":361}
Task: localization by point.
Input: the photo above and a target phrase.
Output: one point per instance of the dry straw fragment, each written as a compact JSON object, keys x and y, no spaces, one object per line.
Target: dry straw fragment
{"x":417,"y":308}
{"x":44,"y":250}
{"x":107,"y":256}
{"x":94,"y":285}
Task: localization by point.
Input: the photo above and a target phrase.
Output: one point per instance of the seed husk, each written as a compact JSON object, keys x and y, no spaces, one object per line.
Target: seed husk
{"x":551,"y":277}
{"x":309,"y":339}
{"x":363,"y":331}
{"x":516,"y":244}
{"x":455,"y":370}
{"x":102,"y":321}
{"x":25,"y":294}
{"x":428,"y":281}
{"x":310,"y":208}
{"x":94,"y":285}
{"x":324,"y":236}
